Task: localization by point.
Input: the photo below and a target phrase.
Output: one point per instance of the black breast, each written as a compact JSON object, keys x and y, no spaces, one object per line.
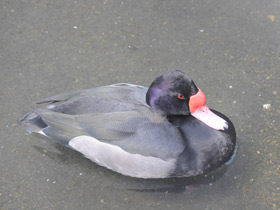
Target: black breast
{"x":205,"y":148}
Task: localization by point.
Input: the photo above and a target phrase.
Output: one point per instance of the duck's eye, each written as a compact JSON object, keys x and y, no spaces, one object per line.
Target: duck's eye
{"x":180,"y":96}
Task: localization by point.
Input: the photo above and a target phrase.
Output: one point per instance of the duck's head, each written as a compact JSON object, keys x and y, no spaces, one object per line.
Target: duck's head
{"x":174,"y":93}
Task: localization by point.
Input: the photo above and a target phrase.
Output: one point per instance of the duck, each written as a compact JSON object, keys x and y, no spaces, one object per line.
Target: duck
{"x":163,"y":131}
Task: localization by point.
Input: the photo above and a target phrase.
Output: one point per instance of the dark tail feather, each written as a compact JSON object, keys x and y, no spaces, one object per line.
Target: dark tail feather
{"x":32,"y":122}
{"x":58,"y":136}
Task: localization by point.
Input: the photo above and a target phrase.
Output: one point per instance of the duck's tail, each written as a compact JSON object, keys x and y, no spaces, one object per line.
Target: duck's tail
{"x":51,"y":125}
{"x":33,"y":123}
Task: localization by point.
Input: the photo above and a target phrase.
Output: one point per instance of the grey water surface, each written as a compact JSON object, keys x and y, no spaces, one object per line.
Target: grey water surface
{"x":231,"y":49}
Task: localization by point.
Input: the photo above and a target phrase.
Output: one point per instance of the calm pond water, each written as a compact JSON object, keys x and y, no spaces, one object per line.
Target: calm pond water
{"x":229,"y":48}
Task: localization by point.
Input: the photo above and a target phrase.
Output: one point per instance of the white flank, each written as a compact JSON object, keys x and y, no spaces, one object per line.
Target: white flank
{"x":116,"y":159}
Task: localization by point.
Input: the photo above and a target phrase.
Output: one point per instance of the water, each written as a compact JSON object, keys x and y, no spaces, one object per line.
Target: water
{"x":55,"y":47}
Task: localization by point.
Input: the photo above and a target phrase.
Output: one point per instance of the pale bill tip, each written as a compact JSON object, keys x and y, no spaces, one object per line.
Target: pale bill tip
{"x":205,"y":115}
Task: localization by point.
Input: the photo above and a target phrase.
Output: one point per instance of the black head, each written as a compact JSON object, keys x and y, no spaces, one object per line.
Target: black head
{"x":169,"y":93}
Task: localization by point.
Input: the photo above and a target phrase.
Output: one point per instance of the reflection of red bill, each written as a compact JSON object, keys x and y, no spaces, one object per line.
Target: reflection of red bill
{"x":200,"y":111}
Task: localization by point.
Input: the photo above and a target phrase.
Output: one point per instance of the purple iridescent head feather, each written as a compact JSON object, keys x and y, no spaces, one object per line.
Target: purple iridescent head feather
{"x":163,"y":92}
